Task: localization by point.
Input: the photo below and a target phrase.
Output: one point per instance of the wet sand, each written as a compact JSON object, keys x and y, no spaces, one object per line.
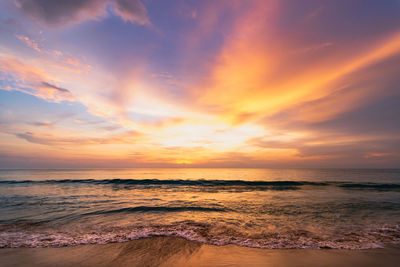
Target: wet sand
{"x":174,"y":251}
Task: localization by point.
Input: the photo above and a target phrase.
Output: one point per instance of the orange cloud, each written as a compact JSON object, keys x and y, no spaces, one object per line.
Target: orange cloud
{"x":258,"y":75}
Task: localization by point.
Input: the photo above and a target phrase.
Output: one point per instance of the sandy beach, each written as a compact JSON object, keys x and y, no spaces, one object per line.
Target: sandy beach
{"x":174,"y":251}
{"x":200,"y":133}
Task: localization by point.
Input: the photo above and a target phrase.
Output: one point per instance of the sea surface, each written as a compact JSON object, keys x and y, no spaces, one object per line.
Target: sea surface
{"x":263,"y":208}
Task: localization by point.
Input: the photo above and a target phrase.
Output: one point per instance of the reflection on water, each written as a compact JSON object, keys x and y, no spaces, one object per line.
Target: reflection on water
{"x":249,"y":207}
{"x":155,"y":251}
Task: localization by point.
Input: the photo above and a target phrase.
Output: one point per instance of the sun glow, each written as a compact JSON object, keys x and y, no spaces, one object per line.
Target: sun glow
{"x":259,"y":83}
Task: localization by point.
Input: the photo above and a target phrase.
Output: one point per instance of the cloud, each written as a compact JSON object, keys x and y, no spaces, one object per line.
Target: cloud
{"x":55,"y":58}
{"x":266,"y":143}
{"x":132,"y":11}
{"x":237,"y":83}
{"x":32,"y":80}
{"x":51,"y":140}
{"x":321,"y":149}
{"x":354,"y":150}
{"x":257,"y":88}
{"x":43,"y":124}
{"x":56,"y":13}
{"x":29,"y":42}
{"x":265,"y":66}
{"x":378,"y":118}
{"x":62,"y":13}
{"x":62,"y":90}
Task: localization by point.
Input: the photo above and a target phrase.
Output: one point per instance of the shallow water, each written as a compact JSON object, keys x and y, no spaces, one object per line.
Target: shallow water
{"x":266,"y":208}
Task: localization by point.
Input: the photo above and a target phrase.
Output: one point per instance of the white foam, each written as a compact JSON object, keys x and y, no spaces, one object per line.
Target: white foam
{"x":371,"y":238}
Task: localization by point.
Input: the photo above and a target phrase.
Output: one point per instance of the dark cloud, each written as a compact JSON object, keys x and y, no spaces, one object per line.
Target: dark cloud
{"x":30,"y":137}
{"x":112,"y":128}
{"x":62,"y":12}
{"x":52,"y":89}
{"x":133,"y":11}
{"x":56,"y":87}
{"x":43,"y":124}
{"x":65,"y":12}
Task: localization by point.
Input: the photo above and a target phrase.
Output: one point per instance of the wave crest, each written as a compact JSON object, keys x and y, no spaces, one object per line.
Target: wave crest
{"x":220,"y":184}
{"x":367,"y":238}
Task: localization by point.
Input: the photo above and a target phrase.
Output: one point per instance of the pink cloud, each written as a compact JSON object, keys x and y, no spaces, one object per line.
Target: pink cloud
{"x":32,"y":80}
{"x":29,"y":42}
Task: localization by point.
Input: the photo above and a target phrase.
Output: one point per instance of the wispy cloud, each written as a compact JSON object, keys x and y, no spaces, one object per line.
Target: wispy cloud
{"x":47,"y":139}
{"x":29,"y":42}
{"x":31,"y":80}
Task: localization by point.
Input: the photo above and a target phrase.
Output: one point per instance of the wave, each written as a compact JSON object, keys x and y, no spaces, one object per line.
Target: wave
{"x":373,"y":186}
{"x":221,"y":184}
{"x":156,"y":209}
{"x":363,"y":238}
{"x":169,"y":182}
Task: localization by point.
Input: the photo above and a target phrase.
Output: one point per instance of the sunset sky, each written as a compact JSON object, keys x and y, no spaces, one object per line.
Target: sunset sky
{"x":130,"y":83}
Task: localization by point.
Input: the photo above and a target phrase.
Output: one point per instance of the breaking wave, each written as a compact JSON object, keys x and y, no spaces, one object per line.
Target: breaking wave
{"x":253,"y":185}
{"x":366,"y":238}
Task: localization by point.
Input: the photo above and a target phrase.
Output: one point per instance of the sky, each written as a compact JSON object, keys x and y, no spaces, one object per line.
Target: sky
{"x":151,"y":83}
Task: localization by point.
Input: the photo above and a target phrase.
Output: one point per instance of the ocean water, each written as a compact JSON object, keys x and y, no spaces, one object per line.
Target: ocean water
{"x":264,"y":208}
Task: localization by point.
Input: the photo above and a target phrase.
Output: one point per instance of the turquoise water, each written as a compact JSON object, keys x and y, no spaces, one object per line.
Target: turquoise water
{"x":265,"y":208}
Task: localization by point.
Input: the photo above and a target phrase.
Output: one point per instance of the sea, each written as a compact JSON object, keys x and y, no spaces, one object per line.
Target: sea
{"x":260,"y":208}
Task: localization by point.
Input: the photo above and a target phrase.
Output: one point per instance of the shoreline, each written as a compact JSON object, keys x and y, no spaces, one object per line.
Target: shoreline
{"x":177,"y":251}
